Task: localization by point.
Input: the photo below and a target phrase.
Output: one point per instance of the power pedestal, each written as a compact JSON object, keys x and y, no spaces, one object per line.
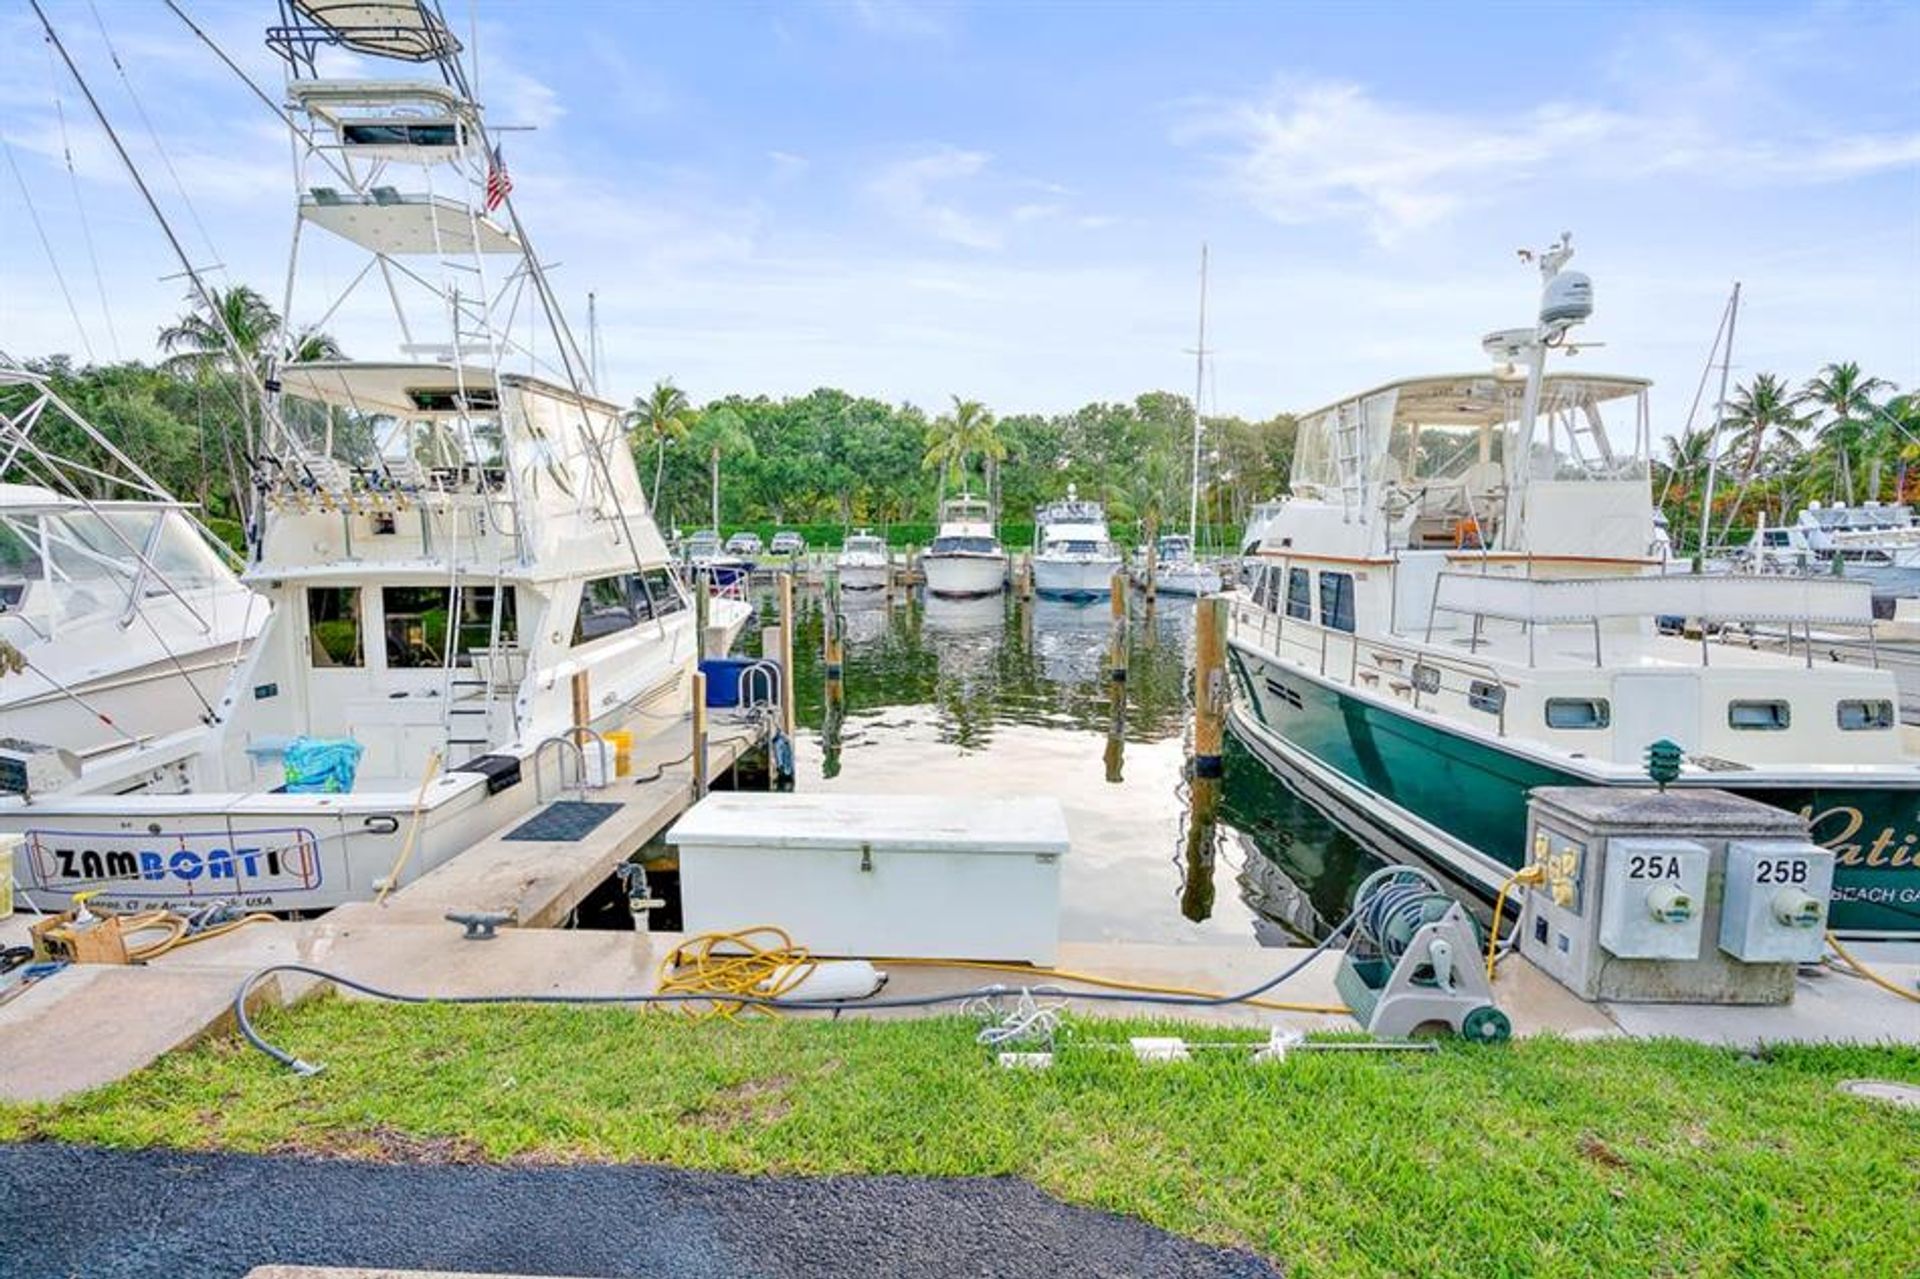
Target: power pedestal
{"x":1680,"y":896}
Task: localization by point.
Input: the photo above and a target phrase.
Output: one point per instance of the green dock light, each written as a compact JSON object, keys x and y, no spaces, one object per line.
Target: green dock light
{"x":1663,"y":762}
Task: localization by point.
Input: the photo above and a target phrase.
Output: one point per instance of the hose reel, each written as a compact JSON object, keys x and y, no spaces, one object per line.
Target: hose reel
{"x":1413,"y":961}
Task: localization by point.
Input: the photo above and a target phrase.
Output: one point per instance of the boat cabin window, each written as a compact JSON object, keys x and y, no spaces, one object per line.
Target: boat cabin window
{"x":1063,"y":547}
{"x":1759,"y":716}
{"x":416,"y":624}
{"x":1263,"y":584}
{"x":1774,"y":537}
{"x":1299,"y":595}
{"x":963,"y":546}
{"x":609,"y":605}
{"x":1485,"y":695}
{"x":397,"y":133}
{"x":1578,"y":712}
{"x":1857,"y":715}
{"x":333,"y":626}
{"x":1336,"y":601}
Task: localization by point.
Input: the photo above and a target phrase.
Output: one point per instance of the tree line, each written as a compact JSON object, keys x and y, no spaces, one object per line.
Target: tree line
{"x":831,"y":459}
{"x":1842,"y":435}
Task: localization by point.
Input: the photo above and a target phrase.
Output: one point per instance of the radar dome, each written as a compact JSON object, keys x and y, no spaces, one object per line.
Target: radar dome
{"x":1568,"y":299}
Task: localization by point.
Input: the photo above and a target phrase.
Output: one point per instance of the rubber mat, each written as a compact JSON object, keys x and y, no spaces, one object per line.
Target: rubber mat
{"x":564,"y":821}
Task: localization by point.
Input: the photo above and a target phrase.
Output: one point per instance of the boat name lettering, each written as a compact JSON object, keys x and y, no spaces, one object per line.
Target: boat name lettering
{"x":62,"y":856}
{"x":1887,"y":850}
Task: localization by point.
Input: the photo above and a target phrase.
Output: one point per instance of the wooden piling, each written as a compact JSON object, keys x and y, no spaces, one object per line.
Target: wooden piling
{"x":1209,"y":683}
{"x":786,"y":654}
{"x":830,"y":642}
{"x":582,"y":701}
{"x":699,"y":733}
{"x":1117,"y":640}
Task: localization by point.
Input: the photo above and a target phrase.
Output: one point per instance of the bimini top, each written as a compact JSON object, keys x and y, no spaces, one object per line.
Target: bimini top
{"x":403,"y":29}
{"x":1486,"y":399}
{"x":404,"y":389}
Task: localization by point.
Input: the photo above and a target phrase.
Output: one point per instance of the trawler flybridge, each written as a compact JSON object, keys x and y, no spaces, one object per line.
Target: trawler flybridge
{"x":456,"y":542}
{"x":1457,"y":604}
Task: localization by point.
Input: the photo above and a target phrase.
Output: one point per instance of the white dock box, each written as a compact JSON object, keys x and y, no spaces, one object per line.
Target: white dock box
{"x":917,"y":876}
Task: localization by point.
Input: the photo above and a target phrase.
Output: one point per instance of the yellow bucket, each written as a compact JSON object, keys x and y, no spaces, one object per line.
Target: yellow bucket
{"x":621,"y":740}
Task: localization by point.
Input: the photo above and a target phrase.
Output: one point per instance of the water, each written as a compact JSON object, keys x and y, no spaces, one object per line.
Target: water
{"x":998,"y":697}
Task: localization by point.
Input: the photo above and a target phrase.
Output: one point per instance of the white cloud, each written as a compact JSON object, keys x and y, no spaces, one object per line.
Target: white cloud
{"x":1323,"y":150}
{"x":788,"y":166}
{"x":907,"y":189}
{"x":900,"y":18}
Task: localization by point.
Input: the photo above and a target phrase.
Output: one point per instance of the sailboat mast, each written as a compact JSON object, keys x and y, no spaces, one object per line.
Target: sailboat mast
{"x":1713,"y":441}
{"x":1199,"y":382}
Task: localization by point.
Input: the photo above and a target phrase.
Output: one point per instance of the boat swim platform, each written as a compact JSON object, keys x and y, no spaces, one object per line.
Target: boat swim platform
{"x":128,"y":1017}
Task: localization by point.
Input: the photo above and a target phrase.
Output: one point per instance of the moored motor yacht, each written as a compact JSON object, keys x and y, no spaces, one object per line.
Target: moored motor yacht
{"x":965,"y":558}
{"x":1073,"y":553}
{"x":863,"y":563}
{"x":1456,"y":604}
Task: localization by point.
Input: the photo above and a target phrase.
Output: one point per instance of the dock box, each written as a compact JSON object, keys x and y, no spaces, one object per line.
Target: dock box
{"x":915,"y":876}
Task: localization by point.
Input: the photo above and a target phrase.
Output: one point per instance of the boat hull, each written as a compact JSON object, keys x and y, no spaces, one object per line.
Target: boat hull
{"x":1461,"y":801}
{"x":964,"y":576}
{"x":1075,"y":578}
{"x":862,"y":577}
{"x":1185,"y":579}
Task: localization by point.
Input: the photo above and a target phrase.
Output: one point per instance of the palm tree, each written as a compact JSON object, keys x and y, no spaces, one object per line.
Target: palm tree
{"x":1765,"y":429}
{"x":953,"y":438}
{"x":1847,"y":400}
{"x":720,"y":431}
{"x":665,"y":415}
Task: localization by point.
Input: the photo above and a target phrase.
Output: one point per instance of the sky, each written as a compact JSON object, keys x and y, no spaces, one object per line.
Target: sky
{"x":1007,"y":202}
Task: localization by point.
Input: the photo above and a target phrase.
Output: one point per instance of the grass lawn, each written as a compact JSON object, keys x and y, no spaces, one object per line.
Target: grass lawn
{"x":1541,"y":1157}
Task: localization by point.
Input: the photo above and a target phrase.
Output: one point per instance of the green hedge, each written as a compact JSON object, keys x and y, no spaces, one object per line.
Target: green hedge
{"x":1018,"y":535}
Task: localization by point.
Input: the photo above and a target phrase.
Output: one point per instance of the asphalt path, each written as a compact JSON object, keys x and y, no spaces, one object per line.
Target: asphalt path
{"x":103,"y":1214}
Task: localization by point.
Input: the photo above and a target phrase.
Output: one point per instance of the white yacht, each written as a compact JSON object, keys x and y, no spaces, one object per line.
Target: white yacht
{"x":1457,"y":605}
{"x":457,"y":548}
{"x":1073,"y":553}
{"x":121,"y":617}
{"x":1875,"y":543}
{"x":1258,"y":519}
{"x":965,"y":558}
{"x":863,"y":563}
{"x":1174,"y":568}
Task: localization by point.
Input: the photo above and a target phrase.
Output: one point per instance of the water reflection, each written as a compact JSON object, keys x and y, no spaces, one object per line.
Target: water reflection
{"x":1005,"y":697}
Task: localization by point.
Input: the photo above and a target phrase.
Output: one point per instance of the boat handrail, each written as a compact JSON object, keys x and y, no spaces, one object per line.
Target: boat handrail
{"x":1271,"y":627}
{"x":1708,"y":597}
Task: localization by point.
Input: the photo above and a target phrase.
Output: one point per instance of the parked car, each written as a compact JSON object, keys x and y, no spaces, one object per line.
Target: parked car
{"x":745,"y":544}
{"x":788,"y":542}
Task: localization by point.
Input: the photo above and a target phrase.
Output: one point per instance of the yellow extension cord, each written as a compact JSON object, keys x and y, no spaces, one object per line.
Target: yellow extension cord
{"x":750,"y":968}
{"x":1868,"y":973}
{"x":1533,"y":874}
{"x":175,"y":927}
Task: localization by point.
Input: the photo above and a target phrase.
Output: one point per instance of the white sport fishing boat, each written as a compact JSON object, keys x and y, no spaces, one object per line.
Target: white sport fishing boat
{"x":965,"y":559}
{"x":863,"y":563}
{"x":1073,"y":553}
{"x":121,"y":617}
{"x":1457,"y":605}
{"x":457,"y":551}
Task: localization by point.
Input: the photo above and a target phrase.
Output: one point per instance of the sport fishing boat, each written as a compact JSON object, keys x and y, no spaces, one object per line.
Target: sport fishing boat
{"x":863,"y":563}
{"x":464,"y":574}
{"x":1873,"y":543}
{"x":965,"y":559}
{"x":1456,"y":605}
{"x":121,"y":615}
{"x":1073,"y":554}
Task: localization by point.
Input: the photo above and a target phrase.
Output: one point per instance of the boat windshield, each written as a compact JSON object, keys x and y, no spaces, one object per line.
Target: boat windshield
{"x":964,"y":546}
{"x":703,"y":544}
{"x":865,"y":546}
{"x":1174,"y":548}
{"x":95,"y":560}
{"x":1074,"y":547}
{"x":965,"y":510}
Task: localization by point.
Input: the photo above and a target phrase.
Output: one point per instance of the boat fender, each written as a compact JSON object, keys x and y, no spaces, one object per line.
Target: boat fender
{"x":830,"y":979}
{"x":782,"y":751}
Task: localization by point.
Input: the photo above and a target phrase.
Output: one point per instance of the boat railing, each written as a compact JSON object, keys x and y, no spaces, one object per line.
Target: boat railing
{"x":1423,"y":674}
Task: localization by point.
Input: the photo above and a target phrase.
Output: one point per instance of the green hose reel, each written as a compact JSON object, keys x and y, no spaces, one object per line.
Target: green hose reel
{"x":1413,"y":963}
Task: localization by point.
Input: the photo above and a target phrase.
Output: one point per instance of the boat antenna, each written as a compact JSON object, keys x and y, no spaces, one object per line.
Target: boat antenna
{"x":1713,"y":440}
{"x":1199,"y":384}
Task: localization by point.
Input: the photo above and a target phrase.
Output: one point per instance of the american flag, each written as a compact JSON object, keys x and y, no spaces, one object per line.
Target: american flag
{"x":499,"y":182}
